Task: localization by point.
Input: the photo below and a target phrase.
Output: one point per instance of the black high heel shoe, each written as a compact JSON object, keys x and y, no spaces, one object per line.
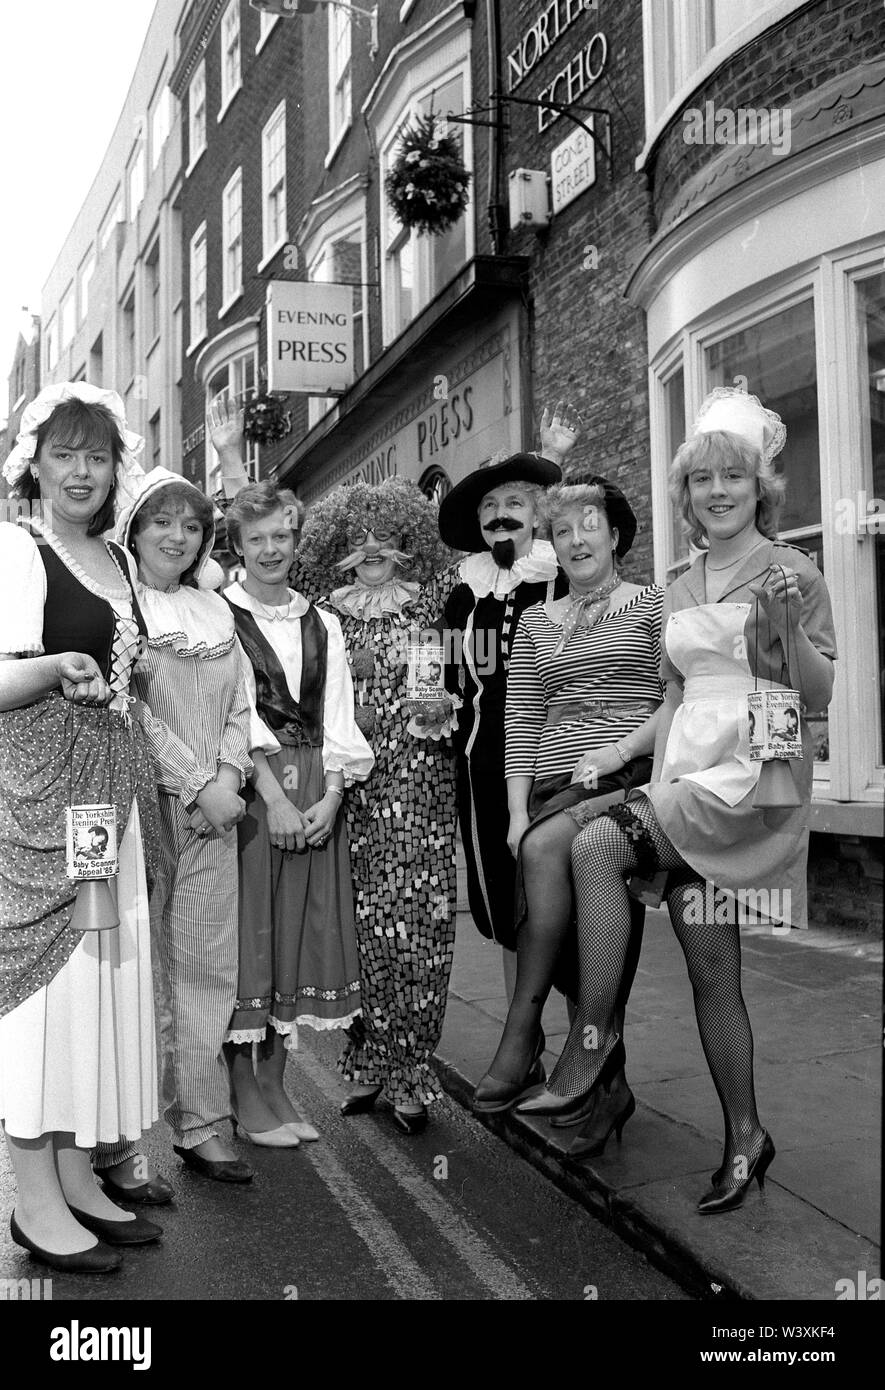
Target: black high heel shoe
{"x":492,"y":1096}
{"x":360,"y":1105}
{"x":98,"y":1259}
{"x":138,"y":1231}
{"x":729,"y":1198}
{"x":576,"y":1108}
{"x":156,"y":1192}
{"x":593,"y":1138}
{"x":410,"y":1122}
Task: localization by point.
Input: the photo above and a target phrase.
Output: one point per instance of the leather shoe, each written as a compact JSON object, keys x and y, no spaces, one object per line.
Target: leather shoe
{"x":98,"y":1259}
{"x":154,"y":1193}
{"x":283,"y":1137}
{"x":139,"y":1231}
{"x":360,"y":1104}
{"x":226,"y":1170}
{"x":410,"y":1122}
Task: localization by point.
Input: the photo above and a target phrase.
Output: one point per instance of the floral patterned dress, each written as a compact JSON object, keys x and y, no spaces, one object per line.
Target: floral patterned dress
{"x":402,"y":844}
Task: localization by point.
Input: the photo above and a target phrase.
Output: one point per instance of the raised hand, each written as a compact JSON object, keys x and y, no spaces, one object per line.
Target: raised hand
{"x":226,"y":426}
{"x":559,"y":430}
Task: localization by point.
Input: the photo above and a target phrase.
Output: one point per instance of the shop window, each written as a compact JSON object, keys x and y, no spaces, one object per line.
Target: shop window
{"x":416,"y":267}
{"x":273,"y":181}
{"x":198,"y":285}
{"x":871,"y":313}
{"x":234,"y":381}
{"x":775,"y":359}
{"x":197,"y":114}
{"x":340,"y":93}
{"x":232,"y":234}
{"x":230,"y":55}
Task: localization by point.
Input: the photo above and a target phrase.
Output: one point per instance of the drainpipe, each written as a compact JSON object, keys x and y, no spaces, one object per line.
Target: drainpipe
{"x":497,"y":212}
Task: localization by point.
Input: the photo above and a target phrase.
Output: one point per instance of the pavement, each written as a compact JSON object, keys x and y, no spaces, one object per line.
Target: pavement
{"x":814,"y":999}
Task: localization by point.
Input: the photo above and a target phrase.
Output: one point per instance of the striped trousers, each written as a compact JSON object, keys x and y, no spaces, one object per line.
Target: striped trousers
{"x":195,"y":939}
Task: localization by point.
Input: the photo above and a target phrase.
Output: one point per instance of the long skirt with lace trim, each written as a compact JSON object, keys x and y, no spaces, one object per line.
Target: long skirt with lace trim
{"x":298,"y":951}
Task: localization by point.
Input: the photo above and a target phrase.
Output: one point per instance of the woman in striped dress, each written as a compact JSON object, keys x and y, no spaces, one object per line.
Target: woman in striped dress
{"x":583,"y":696}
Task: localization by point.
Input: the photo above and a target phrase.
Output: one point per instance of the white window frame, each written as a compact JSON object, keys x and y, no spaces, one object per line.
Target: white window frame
{"x":340,"y":41}
{"x":270,"y":248}
{"x":199,"y":303}
{"x":268,"y":24}
{"x":698,"y":63}
{"x":161,"y":123}
{"x":231,"y":81}
{"x":136,"y":181}
{"x":84,"y":278}
{"x":232,"y":241}
{"x":196,"y":115}
{"x":427,"y":80}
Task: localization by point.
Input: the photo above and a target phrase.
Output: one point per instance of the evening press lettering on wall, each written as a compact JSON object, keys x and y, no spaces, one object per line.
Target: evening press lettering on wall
{"x":446,"y":424}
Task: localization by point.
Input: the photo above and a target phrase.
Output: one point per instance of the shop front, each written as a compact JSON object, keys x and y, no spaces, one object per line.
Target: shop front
{"x":444,"y":398}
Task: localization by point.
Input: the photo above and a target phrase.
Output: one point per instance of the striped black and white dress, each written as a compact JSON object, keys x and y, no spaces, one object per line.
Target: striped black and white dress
{"x":616,"y":660}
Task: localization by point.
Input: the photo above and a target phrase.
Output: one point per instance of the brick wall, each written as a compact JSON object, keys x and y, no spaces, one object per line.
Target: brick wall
{"x":815,"y":44}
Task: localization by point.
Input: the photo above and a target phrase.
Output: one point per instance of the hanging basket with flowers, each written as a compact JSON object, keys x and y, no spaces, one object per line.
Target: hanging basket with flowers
{"x":264,"y":420}
{"x":427,"y":185}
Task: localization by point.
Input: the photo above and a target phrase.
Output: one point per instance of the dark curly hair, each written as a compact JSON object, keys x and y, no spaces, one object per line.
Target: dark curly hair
{"x":395,"y":505}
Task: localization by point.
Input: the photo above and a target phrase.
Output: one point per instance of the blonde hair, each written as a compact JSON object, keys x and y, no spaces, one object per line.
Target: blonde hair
{"x":254,"y":502}
{"x":719,"y":446}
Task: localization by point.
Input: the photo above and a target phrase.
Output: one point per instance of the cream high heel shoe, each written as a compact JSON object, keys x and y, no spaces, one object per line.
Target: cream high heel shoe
{"x":282,"y":1138}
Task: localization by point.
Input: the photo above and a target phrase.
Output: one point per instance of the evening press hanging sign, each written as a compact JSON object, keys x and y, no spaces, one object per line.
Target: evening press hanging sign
{"x":576,"y":76}
{"x":309,"y":337}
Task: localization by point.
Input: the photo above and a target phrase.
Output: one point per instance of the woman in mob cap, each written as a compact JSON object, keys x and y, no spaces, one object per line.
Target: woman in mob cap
{"x":751,"y":612}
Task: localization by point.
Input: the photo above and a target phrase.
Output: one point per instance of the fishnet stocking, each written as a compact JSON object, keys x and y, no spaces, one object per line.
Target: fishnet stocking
{"x":602,"y":856}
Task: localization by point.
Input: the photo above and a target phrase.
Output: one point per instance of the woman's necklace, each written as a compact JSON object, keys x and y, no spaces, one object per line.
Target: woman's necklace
{"x":714,"y":569}
{"x":274,"y":613}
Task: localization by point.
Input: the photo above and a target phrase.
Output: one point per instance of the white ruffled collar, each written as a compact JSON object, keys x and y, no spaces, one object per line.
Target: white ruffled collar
{"x":193,"y":622}
{"x":485,"y":577}
{"x":375,"y":600}
{"x":295,"y":608}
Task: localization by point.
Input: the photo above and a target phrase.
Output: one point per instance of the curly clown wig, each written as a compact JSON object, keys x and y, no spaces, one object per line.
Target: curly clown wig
{"x":395,"y":505}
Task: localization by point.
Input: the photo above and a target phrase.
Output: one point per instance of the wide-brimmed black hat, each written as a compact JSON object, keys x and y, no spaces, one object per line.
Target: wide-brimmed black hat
{"x":619,"y":513}
{"x":458,"y":520}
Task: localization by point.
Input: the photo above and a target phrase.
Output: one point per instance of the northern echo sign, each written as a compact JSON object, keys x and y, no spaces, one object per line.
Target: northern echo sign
{"x":309,"y":338}
{"x":572,"y":167}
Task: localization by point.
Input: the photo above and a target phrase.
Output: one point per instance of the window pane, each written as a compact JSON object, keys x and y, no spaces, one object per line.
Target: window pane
{"x":871,"y":295}
{"x":775,"y":360}
{"x":674,"y":419}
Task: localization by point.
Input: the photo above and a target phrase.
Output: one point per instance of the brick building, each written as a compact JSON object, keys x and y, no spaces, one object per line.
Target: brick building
{"x":694,"y":257}
{"x":765,"y":269}
{"x":111,"y":305}
{"x":24,"y":385}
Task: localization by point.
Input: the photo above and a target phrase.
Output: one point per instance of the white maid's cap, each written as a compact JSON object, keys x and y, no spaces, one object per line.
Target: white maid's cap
{"x":736,"y":412}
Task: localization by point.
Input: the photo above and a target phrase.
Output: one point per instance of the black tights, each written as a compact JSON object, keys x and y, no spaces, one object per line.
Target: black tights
{"x":543,"y":938}
{"x":602,"y":856}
